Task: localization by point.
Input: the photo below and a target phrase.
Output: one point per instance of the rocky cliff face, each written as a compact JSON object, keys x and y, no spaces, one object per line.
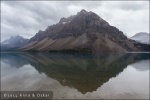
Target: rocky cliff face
{"x":85,"y":31}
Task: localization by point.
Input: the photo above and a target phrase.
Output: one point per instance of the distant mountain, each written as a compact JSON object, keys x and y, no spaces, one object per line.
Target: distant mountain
{"x":142,"y":37}
{"x":13,"y":43}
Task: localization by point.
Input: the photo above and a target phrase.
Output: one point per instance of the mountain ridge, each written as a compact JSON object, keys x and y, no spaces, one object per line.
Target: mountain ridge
{"x":83,"y":32}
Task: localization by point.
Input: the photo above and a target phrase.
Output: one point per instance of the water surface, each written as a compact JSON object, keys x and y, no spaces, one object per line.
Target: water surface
{"x":77,"y":76}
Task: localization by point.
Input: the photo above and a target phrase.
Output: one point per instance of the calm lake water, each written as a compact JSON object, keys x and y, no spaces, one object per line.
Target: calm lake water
{"x":77,"y":76}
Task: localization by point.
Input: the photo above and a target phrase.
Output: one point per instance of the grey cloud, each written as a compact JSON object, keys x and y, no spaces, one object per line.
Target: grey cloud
{"x":133,"y":6}
{"x":27,"y":17}
{"x":127,"y":5}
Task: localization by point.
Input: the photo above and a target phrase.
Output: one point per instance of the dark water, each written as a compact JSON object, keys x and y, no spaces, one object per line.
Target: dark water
{"x":74,"y":76}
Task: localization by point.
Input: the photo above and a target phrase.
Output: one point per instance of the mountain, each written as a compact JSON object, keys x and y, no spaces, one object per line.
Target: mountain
{"x":13,"y":42}
{"x":85,"y":31}
{"x":142,"y":37}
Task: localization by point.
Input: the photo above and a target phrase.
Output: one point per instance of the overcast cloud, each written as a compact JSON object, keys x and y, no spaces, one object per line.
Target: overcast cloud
{"x":26,"y":18}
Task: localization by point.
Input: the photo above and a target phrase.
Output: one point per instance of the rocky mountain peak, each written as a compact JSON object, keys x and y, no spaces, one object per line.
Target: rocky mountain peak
{"x":86,"y":13}
{"x":84,"y":17}
{"x":83,"y":11}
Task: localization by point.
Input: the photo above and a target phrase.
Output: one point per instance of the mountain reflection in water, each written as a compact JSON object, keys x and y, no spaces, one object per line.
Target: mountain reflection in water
{"x":84,"y":72}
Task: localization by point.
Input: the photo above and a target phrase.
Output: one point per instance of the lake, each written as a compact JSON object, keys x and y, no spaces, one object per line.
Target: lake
{"x":77,"y":76}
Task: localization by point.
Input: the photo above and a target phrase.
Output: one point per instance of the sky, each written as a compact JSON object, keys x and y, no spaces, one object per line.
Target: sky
{"x":26,"y":18}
